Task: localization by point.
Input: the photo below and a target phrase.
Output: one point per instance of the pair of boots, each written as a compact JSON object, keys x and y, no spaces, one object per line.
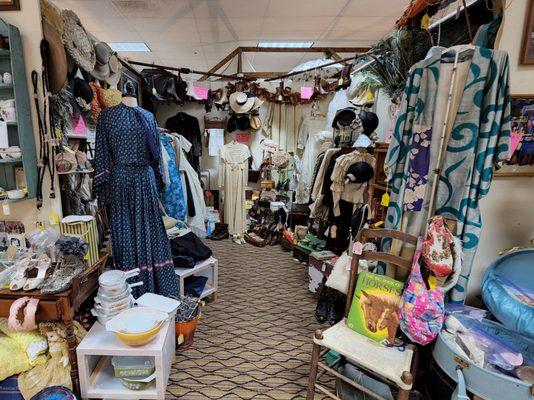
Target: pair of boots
{"x":330,"y":305}
{"x":220,"y":232}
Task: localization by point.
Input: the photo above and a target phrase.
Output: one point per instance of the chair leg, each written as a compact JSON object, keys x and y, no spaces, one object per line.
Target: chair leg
{"x":403,"y":394}
{"x":314,"y":367}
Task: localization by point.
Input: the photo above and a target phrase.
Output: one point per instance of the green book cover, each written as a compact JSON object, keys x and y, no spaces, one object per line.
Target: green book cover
{"x":374,"y":307}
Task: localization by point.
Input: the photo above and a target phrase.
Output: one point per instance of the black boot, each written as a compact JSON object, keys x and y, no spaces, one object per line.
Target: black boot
{"x":321,"y":311}
{"x":336,"y":307}
{"x":220,"y":232}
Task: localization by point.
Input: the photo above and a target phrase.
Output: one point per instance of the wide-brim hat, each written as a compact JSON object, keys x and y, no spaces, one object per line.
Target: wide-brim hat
{"x":344,"y":117}
{"x":241,"y":102}
{"x":56,"y":59}
{"x":83,"y":93}
{"x":257,"y":103}
{"x":51,"y":15}
{"x":77,"y":42}
{"x":107,"y":66}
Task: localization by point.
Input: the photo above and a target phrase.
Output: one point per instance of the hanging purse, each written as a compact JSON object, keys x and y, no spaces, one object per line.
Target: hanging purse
{"x":421,"y":310}
{"x":436,"y":249}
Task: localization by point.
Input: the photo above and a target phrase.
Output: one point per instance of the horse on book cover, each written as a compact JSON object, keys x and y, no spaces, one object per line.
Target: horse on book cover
{"x":380,"y":312}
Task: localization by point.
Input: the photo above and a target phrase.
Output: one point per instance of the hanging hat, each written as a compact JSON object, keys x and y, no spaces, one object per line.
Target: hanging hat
{"x":56,"y":59}
{"x":51,"y":15}
{"x":369,"y":121}
{"x":255,"y":122}
{"x":364,"y":98}
{"x":257,"y":103}
{"x":83,"y":93}
{"x":235,"y":122}
{"x":77,"y":41}
{"x":107,"y":66}
{"x":219,"y":96}
{"x":344,"y":117}
{"x":241,"y":102}
{"x":360,"y":172}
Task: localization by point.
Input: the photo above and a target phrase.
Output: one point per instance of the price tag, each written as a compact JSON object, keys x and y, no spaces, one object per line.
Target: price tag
{"x":385,"y":200}
{"x":425,"y":21}
{"x":333,"y":232}
{"x":180,"y":338}
{"x":357,"y":248}
{"x":323,"y":267}
{"x":53,"y":218}
{"x":6,"y":209}
{"x":340,"y":81}
{"x":378,"y":224}
{"x":306,"y":92}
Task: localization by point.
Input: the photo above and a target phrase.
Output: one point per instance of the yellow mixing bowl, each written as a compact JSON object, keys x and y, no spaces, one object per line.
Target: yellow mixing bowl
{"x":141,"y":338}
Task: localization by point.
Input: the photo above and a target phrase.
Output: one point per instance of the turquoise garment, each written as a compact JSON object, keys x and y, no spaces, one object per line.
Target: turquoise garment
{"x":479,"y":138}
{"x":173,"y":199}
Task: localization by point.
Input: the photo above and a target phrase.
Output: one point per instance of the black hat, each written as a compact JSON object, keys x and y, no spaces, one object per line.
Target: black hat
{"x":344,"y":117}
{"x":83,"y":93}
{"x":369,"y":121}
{"x":236,"y":122}
{"x":360,"y":172}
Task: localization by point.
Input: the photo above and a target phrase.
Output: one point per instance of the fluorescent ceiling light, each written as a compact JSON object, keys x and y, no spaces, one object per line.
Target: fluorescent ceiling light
{"x":286,"y":44}
{"x":129,"y":46}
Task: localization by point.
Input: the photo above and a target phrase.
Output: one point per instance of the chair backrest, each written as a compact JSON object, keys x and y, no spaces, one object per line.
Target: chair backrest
{"x":363,"y":236}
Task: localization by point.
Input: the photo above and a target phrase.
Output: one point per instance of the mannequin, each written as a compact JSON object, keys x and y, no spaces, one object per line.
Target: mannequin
{"x":233,"y":178}
{"x":128,"y":97}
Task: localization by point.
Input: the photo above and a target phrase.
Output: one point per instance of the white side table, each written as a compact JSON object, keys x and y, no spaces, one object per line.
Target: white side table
{"x":208,"y":268}
{"x":97,"y":378}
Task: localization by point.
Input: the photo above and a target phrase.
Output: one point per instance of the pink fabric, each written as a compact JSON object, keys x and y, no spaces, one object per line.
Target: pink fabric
{"x":421,"y":311}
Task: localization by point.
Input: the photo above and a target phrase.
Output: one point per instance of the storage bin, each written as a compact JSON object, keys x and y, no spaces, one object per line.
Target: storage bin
{"x":133,"y":366}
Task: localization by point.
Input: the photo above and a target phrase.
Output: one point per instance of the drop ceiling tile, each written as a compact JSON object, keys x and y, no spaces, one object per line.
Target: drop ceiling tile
{"x":354,"y":35}
{"x":138,"y":56}
{"x":247,"y":8}
{"x":238,"y":25}
{"x":348,"y":42}
{"x":292,"y":23}
{"x":153,"y":8}
{"x":312,"y":8}
{"x":123,"y":36}
{"x":174,"y":47}
{"x":192,"y":38}
{"x":286,"y":34}
{"x":171,"y":24}
{"x":364,"y":8}
{"x":97,"y":25}
{"x":225,"y":36}
{"x":370,"y":24}
{"x":88,"y":8}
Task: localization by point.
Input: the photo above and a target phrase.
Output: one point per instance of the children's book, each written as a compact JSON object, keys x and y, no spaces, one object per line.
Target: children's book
{"x":374,"y":307}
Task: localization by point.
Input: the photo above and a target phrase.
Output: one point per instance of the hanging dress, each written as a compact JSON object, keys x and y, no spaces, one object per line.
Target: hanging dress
{"x":233,"y":178}
{"x":126,"y":171}
{"x":173,"y":198}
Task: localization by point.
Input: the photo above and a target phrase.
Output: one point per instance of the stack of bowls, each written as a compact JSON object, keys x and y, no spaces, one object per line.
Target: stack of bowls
{"x":114,"y":294}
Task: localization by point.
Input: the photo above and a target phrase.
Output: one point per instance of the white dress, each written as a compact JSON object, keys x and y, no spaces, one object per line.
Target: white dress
{"x":233,"y":178}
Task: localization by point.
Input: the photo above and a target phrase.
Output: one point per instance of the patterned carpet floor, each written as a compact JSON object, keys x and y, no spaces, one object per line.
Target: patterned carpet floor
{"x":254,"y":341}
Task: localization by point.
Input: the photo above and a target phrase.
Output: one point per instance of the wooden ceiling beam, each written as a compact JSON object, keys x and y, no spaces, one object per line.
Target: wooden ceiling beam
{"x":255,"y":49}
{"x":221,"y":63}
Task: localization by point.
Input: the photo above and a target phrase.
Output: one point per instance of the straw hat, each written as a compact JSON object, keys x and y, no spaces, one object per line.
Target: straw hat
{"x":56,"y":59}
{"x":51,"y":15}
{"x":255,"y":123}
{"x":77,"y":41}
{"x":241,"y":102}
{"x":107,"y":66}
{"x":257,"y":103}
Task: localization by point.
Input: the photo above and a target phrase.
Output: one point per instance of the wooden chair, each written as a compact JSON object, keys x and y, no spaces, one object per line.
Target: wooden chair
{"x":388,"y":364}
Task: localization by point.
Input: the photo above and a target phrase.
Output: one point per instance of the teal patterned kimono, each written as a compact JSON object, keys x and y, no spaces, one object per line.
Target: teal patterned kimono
{"x":477,"y":139}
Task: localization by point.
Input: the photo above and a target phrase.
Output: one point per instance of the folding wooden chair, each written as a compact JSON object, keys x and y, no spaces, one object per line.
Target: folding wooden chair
{"x":388,"y":364}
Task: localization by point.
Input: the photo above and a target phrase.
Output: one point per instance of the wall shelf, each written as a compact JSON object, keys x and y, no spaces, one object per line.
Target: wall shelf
{"x":20,"y":133}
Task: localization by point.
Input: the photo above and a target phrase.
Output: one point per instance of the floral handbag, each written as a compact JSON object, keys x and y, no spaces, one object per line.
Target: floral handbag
{"x":421,"y":310}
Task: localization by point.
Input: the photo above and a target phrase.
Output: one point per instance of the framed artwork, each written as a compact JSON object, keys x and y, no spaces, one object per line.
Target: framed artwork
{"x":9,"y":5}
{"x":527,"y":53}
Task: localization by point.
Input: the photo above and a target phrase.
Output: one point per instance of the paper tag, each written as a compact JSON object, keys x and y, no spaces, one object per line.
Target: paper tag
{"x":432,"y":282}
{"x":306,"y":92}
{"x":369,"y":95}
{"x":180,"y":338}
{"x":425,"y":21}
{"x":357,"y":248}
{"x":6,"y":209}
{"x":340,"y":81}
{"x":53,"y":218}
{"x":201,"y":92}
{"x":333,"y":232}
{"x":323,"y":267}
{"x":378,"y":224}
{"x":385,"y":200}
{"x":515,"y":139}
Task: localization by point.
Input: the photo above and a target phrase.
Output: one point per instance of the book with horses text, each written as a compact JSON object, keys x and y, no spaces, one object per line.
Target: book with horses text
{"x":374,"y":307}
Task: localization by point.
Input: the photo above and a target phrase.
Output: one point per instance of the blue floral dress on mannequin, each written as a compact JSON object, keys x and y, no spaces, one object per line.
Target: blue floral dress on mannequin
{"x":126,"y":175}
{"x":173,"y":198}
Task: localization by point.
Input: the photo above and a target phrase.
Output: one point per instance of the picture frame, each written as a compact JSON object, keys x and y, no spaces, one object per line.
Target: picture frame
{"x":527,"y":52}
{"x":9,"y":5}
